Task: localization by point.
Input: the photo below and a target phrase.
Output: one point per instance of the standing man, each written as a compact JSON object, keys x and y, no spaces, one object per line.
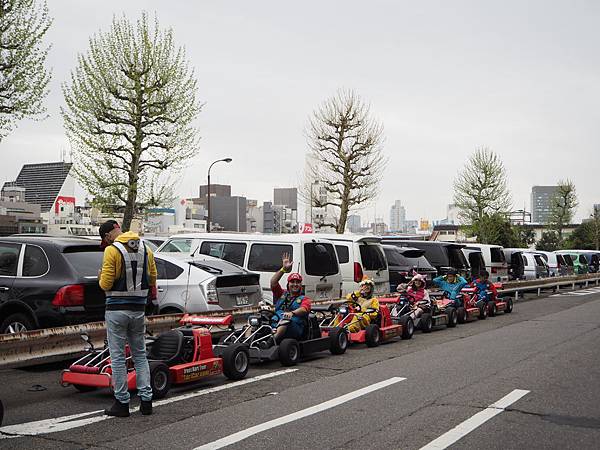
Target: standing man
{"x":128,"y":274}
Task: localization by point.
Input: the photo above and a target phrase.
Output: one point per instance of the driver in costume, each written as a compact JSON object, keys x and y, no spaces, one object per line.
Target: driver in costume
{"x":365,"y":300}
{"x":291,"y":305}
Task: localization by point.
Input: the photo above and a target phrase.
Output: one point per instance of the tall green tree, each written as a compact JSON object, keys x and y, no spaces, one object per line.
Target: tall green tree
{"x":130,"y":108}
{"x":346,"y":157}
{"x":23,"y":76}
{"x":563,"y":206}
{"x":587,"y":235}
{"x":481,"y":193}
{"x":549,"y":241}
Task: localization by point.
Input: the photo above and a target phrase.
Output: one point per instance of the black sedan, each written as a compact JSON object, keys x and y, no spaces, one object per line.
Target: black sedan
{"x":49,"y":281}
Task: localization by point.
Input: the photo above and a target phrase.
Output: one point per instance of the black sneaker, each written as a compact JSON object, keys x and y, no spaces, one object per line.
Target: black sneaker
{"x":118,"y":409}
{"x":146,"y":407}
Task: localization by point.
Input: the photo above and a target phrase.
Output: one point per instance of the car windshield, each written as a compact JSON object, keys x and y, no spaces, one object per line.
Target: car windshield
{"x":86,"y":261}
{"x":178,"y":246}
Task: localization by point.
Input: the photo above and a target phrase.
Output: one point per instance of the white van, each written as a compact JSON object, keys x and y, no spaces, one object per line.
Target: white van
{"x":314,"y":258}
{"x":360,"y":256}
{"x":495,"y":261}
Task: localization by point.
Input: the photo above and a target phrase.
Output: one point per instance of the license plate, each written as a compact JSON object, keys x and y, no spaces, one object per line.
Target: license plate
{"x":242,"y":300}
{"x":323,"y":294}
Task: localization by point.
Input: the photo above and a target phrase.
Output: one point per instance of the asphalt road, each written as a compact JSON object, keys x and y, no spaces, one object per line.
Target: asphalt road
{"x":403,"y":394}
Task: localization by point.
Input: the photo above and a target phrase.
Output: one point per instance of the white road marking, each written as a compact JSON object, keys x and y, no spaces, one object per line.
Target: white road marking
{"x":461,"y":430}
{"x":241,"y":435}
{"x":78,"y":420}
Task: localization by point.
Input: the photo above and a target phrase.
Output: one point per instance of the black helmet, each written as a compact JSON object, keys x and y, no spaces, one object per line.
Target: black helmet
{"x":452,"y":272}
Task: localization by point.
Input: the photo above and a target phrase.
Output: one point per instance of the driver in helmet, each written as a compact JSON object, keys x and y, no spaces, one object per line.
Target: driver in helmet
{"x":486,"y":290}
{"x":451,"y":284}
{"x":291,"y":305}
{"x":364,"y":298}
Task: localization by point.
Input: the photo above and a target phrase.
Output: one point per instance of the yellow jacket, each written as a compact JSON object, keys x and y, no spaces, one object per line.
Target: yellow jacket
{"x":365,"y":303}
{"x":112,"y":264}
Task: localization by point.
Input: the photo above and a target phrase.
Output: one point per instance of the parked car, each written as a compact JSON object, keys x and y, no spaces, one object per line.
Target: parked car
{"x":557,"y":265}
{"x":314,"y":258}
{"x":403,"y":262}
{"x":569,"y":263}
{"x":593,"y":259}
{"x":580,"y":262}
{"x":495,"y":261}
{"x":204,"y":283}
{"x":442,"y":255}
{"x":476,"y":262}
{"x":49,"y":281}
{"x":360,"y":256}
{"x":534,"y":266}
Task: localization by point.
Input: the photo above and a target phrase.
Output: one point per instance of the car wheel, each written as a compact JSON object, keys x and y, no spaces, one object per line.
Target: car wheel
{"x":235,"y":361}
{"x":452,"y":317}
{"x":289,"y":352}
{"x":372,"y":335}
{"x":160,"y":379}
{"x":426,"y":323}
{"x":483,"y":312}
{"x":461,"y":314}
{"x":492,"y":309}
{"x":408,"y":327}
{"x":83,"y":388}
{"x":338,"y":340}
{"x":16,"y":323}
{"x":509,"y":305}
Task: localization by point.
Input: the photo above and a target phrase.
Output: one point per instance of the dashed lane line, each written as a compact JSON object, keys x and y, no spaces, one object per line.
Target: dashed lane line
{"x":79,"y":420}
{"x":472,"y":423}
{"x":241,"y":435}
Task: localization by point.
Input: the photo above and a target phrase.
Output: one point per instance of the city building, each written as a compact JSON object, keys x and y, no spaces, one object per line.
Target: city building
{"x":254,"y":217}
{"x":268,"y":217}
{"x":216,"y":190}
{"x":353,"y":224}
{"x":397,"y":217}
{"x":285,"y":220}
{"x":18,"y":216}
{"x":541,"y":203}
{"x":287,"y":197}
{"x":228,"y":213}
{"x":411,"y":226}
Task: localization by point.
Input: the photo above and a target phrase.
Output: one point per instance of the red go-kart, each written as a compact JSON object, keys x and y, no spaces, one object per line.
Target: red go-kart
{"x":382,"y":328}
{"x":178,"y":356}
{"x":499,"y":304}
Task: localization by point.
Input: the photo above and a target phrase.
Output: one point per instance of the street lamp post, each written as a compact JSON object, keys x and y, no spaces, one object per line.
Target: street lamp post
{"x":227,"y":160}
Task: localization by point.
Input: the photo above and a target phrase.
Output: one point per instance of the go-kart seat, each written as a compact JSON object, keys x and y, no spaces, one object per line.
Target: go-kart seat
{"x":167,"y":347}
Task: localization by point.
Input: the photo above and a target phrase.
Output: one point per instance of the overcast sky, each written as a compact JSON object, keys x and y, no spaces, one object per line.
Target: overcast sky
{"x":444,"y":77}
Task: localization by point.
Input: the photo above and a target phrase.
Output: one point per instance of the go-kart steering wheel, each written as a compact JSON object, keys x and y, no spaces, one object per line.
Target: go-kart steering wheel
{"x":354,"y":305}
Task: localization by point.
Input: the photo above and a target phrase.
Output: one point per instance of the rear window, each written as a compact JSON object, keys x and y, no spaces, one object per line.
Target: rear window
{"x":85,"y":263}
{"x":583,"y":259}
{"x":456,"y":258}
{"x":178,"y":246}
{"x":267,"y":257}
{"x":320,"y":259}
{"x":538,"y":260}
{"x":418,"y":263}
{"x":343,"y":254}
{"x":372,"y":257}
{"x":568,"y":259}
{"x":35,"y":262}
{"x":166,"y":270}
{"x":233,"y":252}
{"x":393,"y":256}
{"x":560,"y":260}
{"x":497,"y":255}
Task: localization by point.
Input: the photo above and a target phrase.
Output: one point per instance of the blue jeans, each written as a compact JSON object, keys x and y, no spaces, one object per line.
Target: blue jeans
{"x":128,"y":327}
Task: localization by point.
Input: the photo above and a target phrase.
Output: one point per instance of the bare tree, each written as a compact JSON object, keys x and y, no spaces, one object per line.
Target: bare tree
{"x":481,"y":192}
{"x":563,"y":206}
{"x":129,"y":112}
{"x":23,"y":77}
{"x":345,"y":156}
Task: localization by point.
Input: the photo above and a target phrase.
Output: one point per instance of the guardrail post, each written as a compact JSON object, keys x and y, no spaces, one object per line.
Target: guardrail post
{"x":557,"y":288}
{"x":573,"y":285}
{"x":539,"y":291}
{"x":516,"y":295}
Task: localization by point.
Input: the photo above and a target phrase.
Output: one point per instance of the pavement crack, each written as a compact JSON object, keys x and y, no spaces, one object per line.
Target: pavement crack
{"x":561,"y":419}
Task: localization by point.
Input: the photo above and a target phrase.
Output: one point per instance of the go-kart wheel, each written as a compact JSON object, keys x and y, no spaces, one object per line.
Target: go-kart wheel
{"x":408,"y":327}
{"x":338,"y":341}
{"x":372,"y":335}
{"x":491,"y":309}
{"x":461,"y":314}
{"x":289,"y":352}
{"x":235,"y":361}
{"x":483,"y":311}
{"x":160,"y":379}
{"x":83,"y":388}
{"x":509,"y":305}
{"x":452,"y":317}
{"x":426,"y":323}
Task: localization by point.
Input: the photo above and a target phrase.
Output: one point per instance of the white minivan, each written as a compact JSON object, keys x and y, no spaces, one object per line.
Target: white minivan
{"x":315,"y":259}
{"x":495,"y":261}
{"x":360,"y":256}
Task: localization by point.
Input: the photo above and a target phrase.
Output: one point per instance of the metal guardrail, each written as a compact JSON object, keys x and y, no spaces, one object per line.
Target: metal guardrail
{"x":56,"y":344}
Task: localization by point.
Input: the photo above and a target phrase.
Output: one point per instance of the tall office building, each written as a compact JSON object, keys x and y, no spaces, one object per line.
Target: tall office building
{"x":397,"y":217}
{"x":353,"y":223}
{"x":286,"y":197}
{"x":541,"y":203}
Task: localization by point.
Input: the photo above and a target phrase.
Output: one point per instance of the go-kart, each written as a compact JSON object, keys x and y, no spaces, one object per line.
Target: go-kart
{"x":178,"y":356}
{"x":400,"y":312}
{"x":382,"y":328}
{"x":258,"y":337}
{"x":498,"y":304}
{"x":467,"y":304}
{"x":436,"y":313}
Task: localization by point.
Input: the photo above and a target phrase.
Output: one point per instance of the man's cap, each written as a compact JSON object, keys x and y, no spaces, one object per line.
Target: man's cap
{"x":107,"y":227}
